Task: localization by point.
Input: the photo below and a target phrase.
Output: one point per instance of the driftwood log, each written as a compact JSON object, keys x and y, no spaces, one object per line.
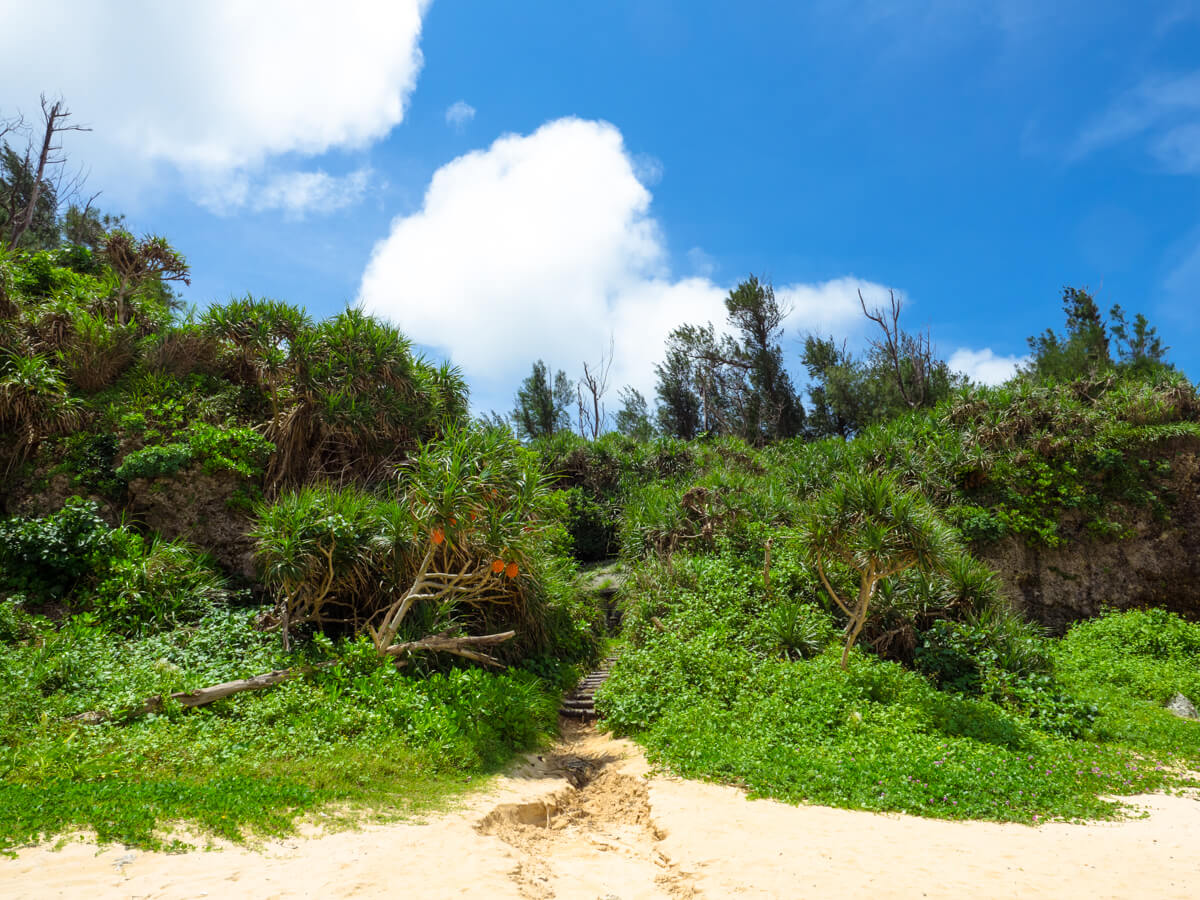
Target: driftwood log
{"x":440,"y":643}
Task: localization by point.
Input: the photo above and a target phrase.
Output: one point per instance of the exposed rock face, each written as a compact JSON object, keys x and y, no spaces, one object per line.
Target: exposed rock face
{"x":43,"y":494}
{"x":199,"y":508}
{"x":1182,"y":707}
{"x":1159,"y":565}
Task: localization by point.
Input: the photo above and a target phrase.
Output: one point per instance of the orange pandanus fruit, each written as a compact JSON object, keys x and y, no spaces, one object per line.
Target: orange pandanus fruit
{"x":438,"y":536}
{"x":512,"y":570}
{"x":497,"y":566}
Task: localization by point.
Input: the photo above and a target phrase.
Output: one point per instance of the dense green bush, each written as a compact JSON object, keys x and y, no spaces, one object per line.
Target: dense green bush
{"x":242,"y":451}
{"x":49,"y":555}
{"x":125,"y":580}
{"x":592,"y":525}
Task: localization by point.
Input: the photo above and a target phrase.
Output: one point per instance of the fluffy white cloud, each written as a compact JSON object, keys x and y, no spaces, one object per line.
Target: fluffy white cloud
{"x":217,"y":88}
{"x":543,"y":246}
{"x":458,"y":114}
{"x":985,"y":366}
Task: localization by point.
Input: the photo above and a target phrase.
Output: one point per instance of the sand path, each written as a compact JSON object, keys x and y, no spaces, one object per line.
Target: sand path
{"x":584,"y":823}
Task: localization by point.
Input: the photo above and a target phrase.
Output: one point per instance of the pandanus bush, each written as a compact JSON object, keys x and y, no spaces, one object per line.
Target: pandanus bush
{"x":359,"y":402}
{"x":868,"y":524}
{"x":466,"y":518}
{"x":257,"y":337}
{"x":98,"y":351}
{"x":33,"y":402}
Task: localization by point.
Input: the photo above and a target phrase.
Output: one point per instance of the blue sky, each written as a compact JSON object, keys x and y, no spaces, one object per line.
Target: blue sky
{"x":614,"y":168}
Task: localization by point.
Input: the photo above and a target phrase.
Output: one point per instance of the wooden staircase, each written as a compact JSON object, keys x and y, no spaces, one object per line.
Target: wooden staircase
{"x":581,"y":703}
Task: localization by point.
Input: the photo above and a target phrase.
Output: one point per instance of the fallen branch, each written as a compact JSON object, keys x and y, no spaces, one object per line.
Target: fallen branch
{"x":459,"y":646}
{"x":439,"y":643}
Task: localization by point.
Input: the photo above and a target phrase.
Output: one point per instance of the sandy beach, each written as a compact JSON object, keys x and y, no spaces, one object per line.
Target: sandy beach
{"x":624,"y":836}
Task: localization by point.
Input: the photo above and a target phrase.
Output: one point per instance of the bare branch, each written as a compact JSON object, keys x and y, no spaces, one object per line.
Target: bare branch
{"x":55,"y":116}
{"x":910,"y":356}
{"x":593,"y":417}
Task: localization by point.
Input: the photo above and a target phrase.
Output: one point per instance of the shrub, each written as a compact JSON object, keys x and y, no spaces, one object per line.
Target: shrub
{"x":242,"y":451}
{"x":128,"y":582}
{"x":463,"y":538}
{"x":98,"y":350}
{"x":1007,"y":660}
{"x":869,"y":524}
{"x":794,"y":630}
{"x":154,"y":582}
{"x":155,"y":461}
{"x":48,"y":556}
{"x":592,"y":525}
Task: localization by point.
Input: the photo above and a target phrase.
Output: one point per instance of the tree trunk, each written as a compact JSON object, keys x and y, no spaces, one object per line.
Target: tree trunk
{"x":855,"y":626}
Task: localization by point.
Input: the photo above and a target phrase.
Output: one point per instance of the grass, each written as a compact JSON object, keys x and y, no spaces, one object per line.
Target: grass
{"x":360,"y":734}
{"x":707,"y":701}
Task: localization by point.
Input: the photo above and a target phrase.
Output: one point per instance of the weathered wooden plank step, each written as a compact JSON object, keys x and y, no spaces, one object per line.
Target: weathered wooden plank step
{"x":580,"y":703}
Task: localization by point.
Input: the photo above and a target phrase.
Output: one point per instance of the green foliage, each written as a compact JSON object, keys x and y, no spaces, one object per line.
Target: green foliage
{"x":155,"y":461}
{"x":357,"y":401}
{"x":899,"y":373}
{"x":633,"y":418}
{"x":1004,"y":659}
{"x":868,"y":524}
{"x":793,"y":629}
{"x":542,"y":404}
{"x":702,"y":697}
{"x":359,"y":733}
{"x":592,"y":525}
{"x":113,"y":574}
{"x":242,"y":451}
{"x":1085,"y":349}
{"x":474,"y":503}
{"x":90,"y":458}
{"x":50,"y":555}
{"x":98,"y":350}
{"x":151,"y":582}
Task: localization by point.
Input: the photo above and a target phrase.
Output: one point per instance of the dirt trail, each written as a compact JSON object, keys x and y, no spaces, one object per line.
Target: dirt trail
{"x":585,"y":822}
{"x":594,"y":838}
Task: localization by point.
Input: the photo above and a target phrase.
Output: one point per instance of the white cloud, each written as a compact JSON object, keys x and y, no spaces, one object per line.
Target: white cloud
{"x":458,"y":114}
{"x":214,"y":90}
{"x":647,"y":168}
{"x":985,"y":366}
{"x":1165,"y":110}
{"x":299,"y":193}
{"x":832,"y":307}
{"x":541,"y":246}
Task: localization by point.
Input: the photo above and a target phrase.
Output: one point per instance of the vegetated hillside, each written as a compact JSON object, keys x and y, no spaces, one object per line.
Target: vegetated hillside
{"x":954,"y":703}
{"x":195,"y":499}
{"x":1080,"y":495}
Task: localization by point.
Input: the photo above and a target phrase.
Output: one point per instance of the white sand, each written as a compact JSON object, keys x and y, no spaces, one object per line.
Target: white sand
{"x":627,"y":836}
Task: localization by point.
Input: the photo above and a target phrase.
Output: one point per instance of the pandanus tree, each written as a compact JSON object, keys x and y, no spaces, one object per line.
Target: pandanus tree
{"x":258,"y":335}
{"x":870,"y":525}
{"x":33,"y":403}
{"x":359,"y":402}
{"x":458,"y":534}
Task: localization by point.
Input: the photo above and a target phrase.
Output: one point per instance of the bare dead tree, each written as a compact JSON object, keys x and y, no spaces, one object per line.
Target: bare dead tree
{"x":593,"y":417}
{"x":911,"y":356}
{"x":55,"y":116}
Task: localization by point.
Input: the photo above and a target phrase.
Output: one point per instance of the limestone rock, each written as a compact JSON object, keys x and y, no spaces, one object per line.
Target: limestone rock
{"x":1182,"y":707}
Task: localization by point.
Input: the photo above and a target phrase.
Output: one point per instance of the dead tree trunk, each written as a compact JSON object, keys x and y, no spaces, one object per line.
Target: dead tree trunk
{"x":55,"y":115}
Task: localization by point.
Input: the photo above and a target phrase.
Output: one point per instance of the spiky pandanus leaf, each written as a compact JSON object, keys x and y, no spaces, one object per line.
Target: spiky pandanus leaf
{"x":870,"y":524}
